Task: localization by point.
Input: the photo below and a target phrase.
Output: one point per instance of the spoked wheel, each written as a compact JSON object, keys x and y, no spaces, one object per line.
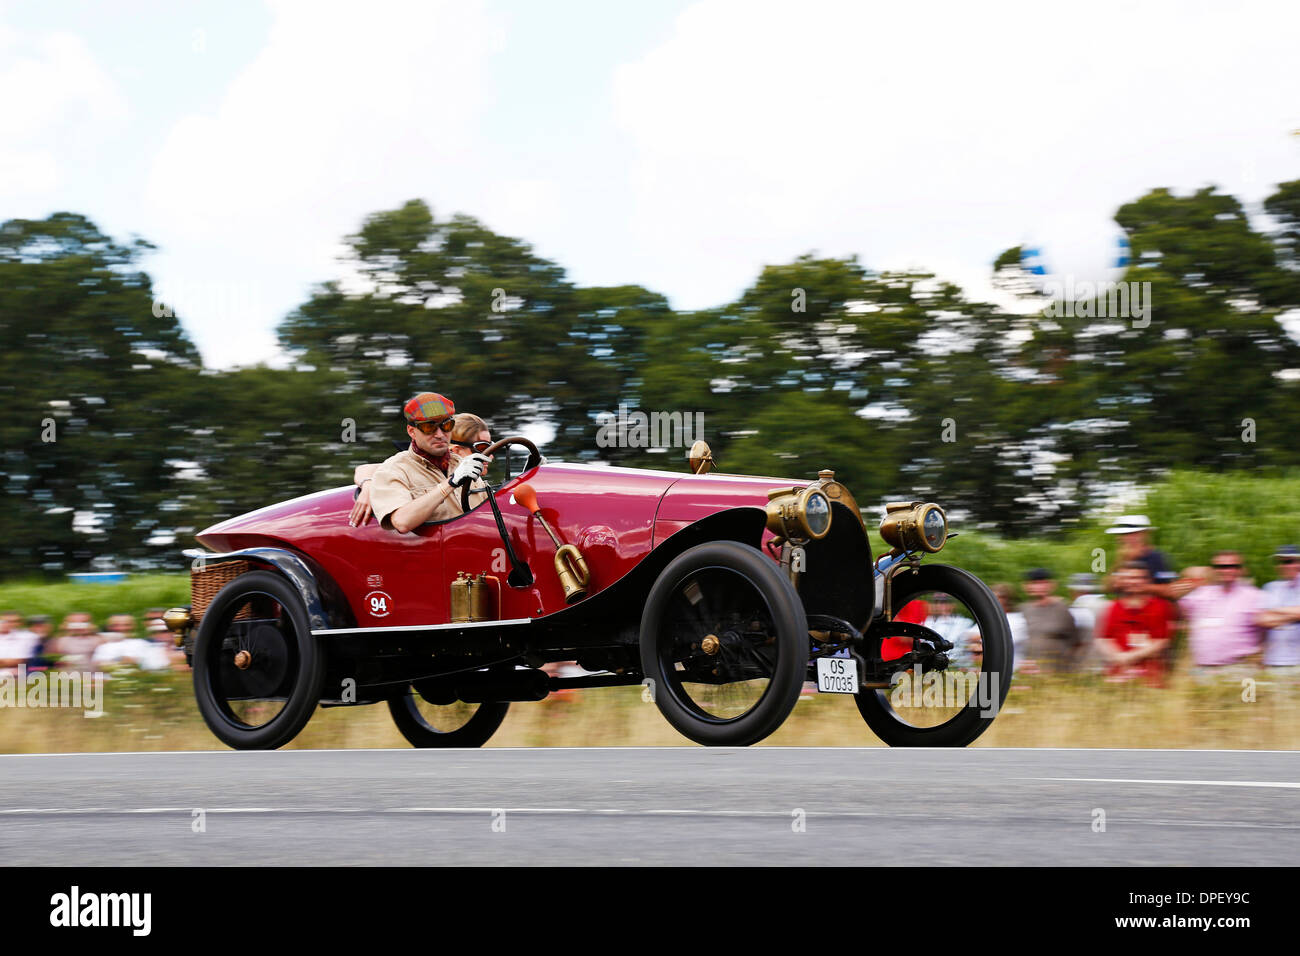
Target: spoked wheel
{"x":724,"y":638}
{"x":932,"y":707}
{"x":257,"y":668}
{"x":456,"y":724}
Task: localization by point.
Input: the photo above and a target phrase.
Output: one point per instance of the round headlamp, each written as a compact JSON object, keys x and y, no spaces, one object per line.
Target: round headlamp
{"x":799,"y":513}
{"x":914,"y":526}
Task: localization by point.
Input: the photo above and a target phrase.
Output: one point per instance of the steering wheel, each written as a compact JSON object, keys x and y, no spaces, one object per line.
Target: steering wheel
{"x":534,"y":459}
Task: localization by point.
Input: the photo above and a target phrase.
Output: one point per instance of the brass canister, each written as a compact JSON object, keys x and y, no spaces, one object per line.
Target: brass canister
{"x":461,"y":608}
{"x":480,"y":598}
{"x":471,"y":598}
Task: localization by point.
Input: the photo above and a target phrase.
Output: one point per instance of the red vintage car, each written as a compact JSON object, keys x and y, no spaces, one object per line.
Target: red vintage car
{"x":725,"y":596}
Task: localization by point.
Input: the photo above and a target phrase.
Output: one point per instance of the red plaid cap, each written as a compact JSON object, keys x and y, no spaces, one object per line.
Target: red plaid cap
{"x":428,"y":407}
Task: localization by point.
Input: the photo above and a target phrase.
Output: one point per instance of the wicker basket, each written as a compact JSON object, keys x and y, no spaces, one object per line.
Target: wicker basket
{"x":206,"y":582}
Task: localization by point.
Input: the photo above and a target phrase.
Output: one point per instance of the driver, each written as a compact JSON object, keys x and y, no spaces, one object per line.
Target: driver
{"x":420,"y":484}
{"x":470,"y":433}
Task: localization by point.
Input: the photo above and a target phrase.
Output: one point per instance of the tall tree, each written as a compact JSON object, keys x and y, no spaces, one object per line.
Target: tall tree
{"x":91,"y":376}
{"x":453,"y":307}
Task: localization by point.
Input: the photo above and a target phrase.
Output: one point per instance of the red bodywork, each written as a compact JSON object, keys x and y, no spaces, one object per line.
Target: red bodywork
{"x":615,"y":516}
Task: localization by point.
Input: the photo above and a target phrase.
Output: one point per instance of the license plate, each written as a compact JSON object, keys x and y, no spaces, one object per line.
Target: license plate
{"x":837,"y":675}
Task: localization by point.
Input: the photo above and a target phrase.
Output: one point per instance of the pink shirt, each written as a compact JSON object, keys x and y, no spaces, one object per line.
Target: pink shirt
{"x":1220,"y":627}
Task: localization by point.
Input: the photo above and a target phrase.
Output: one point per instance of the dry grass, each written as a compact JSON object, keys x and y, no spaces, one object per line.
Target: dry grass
{"x":149,"y":712}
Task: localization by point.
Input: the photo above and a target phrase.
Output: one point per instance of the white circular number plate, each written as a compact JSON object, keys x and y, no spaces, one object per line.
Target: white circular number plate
{"x":378,"y":604}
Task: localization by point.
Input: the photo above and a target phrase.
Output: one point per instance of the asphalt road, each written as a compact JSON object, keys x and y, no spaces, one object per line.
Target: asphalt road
{"x":629,"y":806}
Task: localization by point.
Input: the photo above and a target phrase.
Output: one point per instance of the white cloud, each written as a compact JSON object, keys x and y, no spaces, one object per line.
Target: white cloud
{"x":938,"y":135}
{"x":52,"y":91}
{"x":338,"y":116}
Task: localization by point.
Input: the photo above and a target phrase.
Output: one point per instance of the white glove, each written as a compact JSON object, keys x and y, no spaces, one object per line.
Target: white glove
{"x":469,"y":469}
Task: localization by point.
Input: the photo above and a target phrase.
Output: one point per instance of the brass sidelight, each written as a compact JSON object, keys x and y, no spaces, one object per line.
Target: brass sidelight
{"x":570,"y":565}
{"x":700,"y":457}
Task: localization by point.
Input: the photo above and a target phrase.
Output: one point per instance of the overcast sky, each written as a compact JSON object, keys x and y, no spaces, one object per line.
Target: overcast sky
{"x":677,"y":145}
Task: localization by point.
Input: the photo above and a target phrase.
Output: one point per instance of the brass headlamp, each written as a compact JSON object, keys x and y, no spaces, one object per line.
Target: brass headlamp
{"x":914,"y":526}
{"x":798,"y":514}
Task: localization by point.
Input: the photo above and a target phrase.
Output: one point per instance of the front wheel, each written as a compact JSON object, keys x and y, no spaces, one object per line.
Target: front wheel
{"x":949,"y":707}
{"x":257,"y":669}
{"x":724,"y":640}
{"x":457,"y":724}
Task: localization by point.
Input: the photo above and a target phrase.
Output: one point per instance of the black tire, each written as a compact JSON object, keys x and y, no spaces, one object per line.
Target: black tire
{"x":281,"y":644}
{"x":415,"y":725}
{"x":735,"y":593}
{"x":972,"y":719}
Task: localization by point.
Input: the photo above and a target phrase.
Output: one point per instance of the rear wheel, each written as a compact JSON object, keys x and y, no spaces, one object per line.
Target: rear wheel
{"x":724,"y":639}
{"x":257,"y":668}
{"x":457,"y":724}
{"x":949,"y":707}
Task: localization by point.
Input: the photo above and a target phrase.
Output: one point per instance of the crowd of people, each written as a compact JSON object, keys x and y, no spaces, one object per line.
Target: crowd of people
{"x":1131,"y":624}
{"x":78,"y":645}
{"x":1136,"y":622}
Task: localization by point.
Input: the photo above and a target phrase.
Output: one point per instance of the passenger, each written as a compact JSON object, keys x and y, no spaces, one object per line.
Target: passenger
{"x":469,"y":433}
{"x":420,"y":484}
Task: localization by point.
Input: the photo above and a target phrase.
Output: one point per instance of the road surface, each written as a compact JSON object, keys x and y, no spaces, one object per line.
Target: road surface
{"x":647,"y":806}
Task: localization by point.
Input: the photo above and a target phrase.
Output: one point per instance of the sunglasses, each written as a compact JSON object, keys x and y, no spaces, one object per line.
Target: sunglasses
{"x":1218,"y":567}
{"x":1287,"y":560}
{"x":430,"y":427}
{"x":478,"y":446}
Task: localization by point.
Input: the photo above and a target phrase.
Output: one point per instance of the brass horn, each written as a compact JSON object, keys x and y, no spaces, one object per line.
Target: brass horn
{"x":570,"y":565}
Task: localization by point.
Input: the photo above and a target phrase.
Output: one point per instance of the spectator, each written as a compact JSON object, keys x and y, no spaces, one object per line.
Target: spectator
{"x":1089,"y":612}
{"x":1136,"y":629}
{"x":76,"y":642}
{"x":1221,"y":615}
{"x":123,"y":647}
{"x":1279,"y":610}
{"x":39,"y":625}
{"x":1053,"y":637}
{"x":1134,"y":544}
{"x":961,"y":631}
{"x":155,"y":627}
{"x":1005,"y":594}
{"x":17,"y":644}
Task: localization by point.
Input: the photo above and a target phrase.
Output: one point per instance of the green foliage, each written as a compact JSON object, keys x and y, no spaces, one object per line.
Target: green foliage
{"x":1195,"y":513}
{"x":450,"y":306}
{"x":137,"y":594}
{"x":89,"y":378}
{"x":1019,"y":422}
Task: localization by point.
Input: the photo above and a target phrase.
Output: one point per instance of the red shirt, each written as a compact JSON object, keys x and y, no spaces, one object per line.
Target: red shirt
{"x":915,"y":612}
{"x":1133,"y":627}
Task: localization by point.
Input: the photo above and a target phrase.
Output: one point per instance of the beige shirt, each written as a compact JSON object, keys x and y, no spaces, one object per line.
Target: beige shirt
{"x":405,"y":477}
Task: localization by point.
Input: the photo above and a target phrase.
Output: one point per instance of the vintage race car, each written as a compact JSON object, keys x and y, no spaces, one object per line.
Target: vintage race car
{"x":725,"y":596}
